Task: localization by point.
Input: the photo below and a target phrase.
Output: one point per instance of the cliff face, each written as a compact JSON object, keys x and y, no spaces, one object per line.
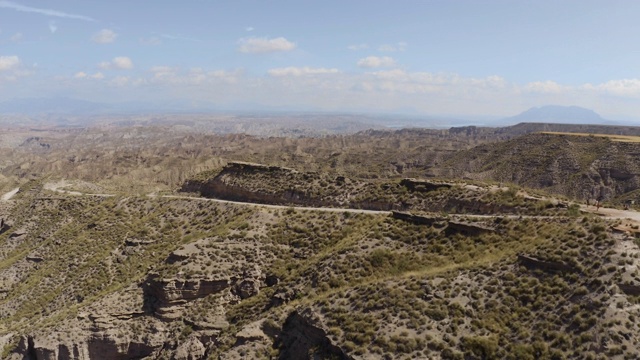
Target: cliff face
{"x":257,"y":183}
{"x":247,"y":182}
{"x":304,"y":336}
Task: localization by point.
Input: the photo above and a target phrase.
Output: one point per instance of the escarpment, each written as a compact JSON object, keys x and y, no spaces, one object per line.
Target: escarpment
{"x":263,"y":184}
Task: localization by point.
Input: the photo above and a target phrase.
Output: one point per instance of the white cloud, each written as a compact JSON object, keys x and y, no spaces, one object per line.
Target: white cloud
{"x":401,"y":46}
{"x":358,"y":47}
{"x":545,"y":87}
{"x":104,"y":36}
{"x":53,"y":27}
{"x":17,"y":37}
{"x":83,"y":75}
{"x":166,"y":75}
{"x":301,"y":71}
{"x":376,"y":62}
{"x":9,"y":62}
{"x":249,"y":29}
{"x":620,"y":87}
{"x":118,"y":63}
{"x":255,"y":45}
{"x":162,"y":73}
{"x":122,"y":62}
{"x":47,"y":12}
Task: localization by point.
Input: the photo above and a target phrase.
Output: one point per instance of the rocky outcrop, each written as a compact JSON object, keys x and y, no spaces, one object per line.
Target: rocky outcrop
{"x":550,"y":266}
{"x":251,"y":282}
{"x":303,"y":337}
{"x":468,"y":229}
{"x":423,"y":185}
{"x":94,"y":346}
{"x":252,"y":332}
{"x":633,"y":290}
{"x":416,"y":219}
{"x":165,"y":296}
{"x":191,"y":349}
{"x":4,"y":226}
{"x":137,"y":242}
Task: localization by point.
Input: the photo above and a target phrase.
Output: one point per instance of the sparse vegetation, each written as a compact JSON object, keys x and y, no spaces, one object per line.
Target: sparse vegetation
{"x":472,"y":270}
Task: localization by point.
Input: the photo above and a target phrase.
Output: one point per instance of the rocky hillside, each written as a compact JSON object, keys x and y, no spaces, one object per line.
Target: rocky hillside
{"x":257,"y":183}
{"x":582,"y":167}
{"x":138,"y":277}
{"x":385,"y":260}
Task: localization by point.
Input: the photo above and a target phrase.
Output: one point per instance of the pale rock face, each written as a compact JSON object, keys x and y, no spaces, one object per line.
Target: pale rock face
{"x":191,"y":349}
{"x":252,"y":332}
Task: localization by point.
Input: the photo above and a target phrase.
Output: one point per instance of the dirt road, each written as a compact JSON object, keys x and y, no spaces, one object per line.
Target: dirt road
{"x":9,"y":195}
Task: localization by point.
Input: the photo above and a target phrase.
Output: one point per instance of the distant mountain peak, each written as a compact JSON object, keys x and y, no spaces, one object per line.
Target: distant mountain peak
{"x":558,"y":114}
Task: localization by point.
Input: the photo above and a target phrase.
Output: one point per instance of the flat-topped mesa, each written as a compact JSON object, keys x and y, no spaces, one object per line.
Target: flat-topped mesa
{"x":424,"y":185}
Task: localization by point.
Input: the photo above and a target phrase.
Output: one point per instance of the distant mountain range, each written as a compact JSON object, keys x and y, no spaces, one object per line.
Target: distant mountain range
{"x":69,"y":106}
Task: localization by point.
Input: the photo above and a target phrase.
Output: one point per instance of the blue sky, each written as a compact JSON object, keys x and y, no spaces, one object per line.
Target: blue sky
{"x":430,"y":57}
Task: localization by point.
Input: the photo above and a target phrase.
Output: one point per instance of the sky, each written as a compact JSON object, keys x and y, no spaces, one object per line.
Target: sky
{"x":464,"y":58}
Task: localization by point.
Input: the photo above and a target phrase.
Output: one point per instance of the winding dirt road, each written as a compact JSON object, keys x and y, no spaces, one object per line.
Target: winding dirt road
{"x":607,"y":213}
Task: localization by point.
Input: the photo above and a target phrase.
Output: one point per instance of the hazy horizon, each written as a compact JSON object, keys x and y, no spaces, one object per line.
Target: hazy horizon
{"x":462,"y":59}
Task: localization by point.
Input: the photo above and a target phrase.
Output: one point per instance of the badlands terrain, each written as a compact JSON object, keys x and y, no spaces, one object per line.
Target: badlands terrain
{"x":144,"y":238}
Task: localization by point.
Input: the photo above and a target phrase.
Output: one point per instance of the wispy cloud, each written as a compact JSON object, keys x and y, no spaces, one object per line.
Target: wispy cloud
{"x":104,"y":36}
{"x":8,"y":62}
{"x":255,"y":45}
{"x":401,"y":46}
{"x":301,"y":71}
{"x":376,"y":62}
{"x":83,"y":75}
{"x":358,"y":47}
{"x":249,"y":28}
{"x":118,"y":63}
{"x":47,"y":12}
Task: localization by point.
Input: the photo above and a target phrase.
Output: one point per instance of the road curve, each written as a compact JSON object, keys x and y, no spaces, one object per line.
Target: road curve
{"x":269,"y":206}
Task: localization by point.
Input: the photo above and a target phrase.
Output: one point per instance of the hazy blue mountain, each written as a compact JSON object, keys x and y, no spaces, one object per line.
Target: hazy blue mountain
{"x":557,"y":114}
